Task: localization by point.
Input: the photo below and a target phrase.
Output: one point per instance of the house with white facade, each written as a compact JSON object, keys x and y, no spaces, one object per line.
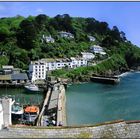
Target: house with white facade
{"x":87,"y":55}
{"x":47,"y":39}
{"x":38,"y":69}
{"x":97,"y":50}
{"x":66,"y":35}
{"x":78,"y":62}
{"x":54,"y":64}
{"x":91,"y":38}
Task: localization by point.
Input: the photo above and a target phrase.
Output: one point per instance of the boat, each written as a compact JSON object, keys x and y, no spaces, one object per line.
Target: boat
{"x":31,"y":113}
{"x":17,"y":109}
{"x":32,"y":87}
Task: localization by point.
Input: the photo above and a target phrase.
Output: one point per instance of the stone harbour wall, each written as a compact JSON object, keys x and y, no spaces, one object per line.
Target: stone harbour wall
{"x":118,"y":129}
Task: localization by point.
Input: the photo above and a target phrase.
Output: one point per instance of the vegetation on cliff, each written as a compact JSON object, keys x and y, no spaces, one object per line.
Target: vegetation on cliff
{"x":114,"y":65}
{"x":20,"y":41}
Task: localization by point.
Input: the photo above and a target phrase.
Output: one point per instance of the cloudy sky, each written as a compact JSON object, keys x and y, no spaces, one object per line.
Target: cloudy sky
{"x":124,"y":15}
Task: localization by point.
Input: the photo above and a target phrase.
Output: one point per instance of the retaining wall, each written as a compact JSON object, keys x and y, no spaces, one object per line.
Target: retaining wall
{"x":119,"y":129}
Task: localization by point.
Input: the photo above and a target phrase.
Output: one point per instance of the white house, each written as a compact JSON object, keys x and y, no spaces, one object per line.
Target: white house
{"x":78,"y":62}
{"x":91,"y":38}
{"x":48,"y":39}
{"x":66,"y":35}
{"x":37,"y":70}
{"x":87,"y":55}
{"x":53,"y":64}
{"x":97,"y":50}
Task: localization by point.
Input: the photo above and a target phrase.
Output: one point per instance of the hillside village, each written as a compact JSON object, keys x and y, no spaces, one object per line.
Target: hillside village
{"x":38,"y":69}
{"x":45,"y":54}
{"x":42,"y":45}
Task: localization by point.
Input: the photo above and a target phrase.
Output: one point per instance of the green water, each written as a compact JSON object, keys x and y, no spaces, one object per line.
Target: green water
{"x":92,"y":103}
{"x":22,"y":96}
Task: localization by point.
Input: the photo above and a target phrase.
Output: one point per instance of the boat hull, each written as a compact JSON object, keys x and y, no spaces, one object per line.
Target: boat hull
{"x":30,"y":90}
{"x":17,"y":109}
{"x":18,"y":112}
{"x":36,"y":89}
{"x":30,"y":114}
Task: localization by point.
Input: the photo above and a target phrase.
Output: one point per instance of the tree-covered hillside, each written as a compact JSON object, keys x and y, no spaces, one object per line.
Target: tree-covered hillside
{"x":21,"y":39}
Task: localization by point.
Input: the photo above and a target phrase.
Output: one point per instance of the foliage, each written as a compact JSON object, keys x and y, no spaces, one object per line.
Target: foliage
{"x":116,"y":62}
{"x":20,"y":39}
{"x":3,"y":60}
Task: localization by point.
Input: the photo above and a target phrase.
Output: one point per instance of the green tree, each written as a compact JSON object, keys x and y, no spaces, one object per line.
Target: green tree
{"x":4,"y":33}
{"x":27,"y":35}
{"x":3,"y":60}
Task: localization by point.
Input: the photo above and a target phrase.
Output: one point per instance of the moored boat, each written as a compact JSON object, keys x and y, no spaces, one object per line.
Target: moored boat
{"x":31,"y":113}
{"x":32,"y":87}
{"x":17,"y":109}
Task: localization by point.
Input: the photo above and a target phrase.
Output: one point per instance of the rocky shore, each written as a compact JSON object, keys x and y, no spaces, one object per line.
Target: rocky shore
{"x":87,"y":78}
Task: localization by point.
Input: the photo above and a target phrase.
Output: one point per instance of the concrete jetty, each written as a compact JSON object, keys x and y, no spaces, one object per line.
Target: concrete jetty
{"x":53,"y":109}
{"x":61,"y":111}
{"x":105,"y":79}
{"x":48,"y":94}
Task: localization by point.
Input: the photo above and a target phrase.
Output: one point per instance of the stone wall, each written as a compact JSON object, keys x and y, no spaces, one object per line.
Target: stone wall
{"x":119,"y":129}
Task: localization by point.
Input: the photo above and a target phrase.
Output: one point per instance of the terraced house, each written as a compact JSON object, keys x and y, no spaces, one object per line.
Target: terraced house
{"x":38,"y":69}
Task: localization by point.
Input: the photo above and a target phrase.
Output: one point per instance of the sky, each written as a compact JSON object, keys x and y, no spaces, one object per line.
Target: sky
{"x":124,"y":15}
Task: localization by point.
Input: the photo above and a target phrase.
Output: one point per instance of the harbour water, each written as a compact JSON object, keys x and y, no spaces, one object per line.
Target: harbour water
{"x":92,"y":103}
{"x":20,"y":95}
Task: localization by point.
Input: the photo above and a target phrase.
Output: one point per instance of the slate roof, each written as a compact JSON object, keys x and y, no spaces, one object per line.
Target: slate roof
{"x":19,"y":76}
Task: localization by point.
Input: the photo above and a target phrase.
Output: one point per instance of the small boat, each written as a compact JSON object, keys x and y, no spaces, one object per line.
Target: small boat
{"x":17,"y":109}
{"x":31,"y":113}
{"x":32,"y":87}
